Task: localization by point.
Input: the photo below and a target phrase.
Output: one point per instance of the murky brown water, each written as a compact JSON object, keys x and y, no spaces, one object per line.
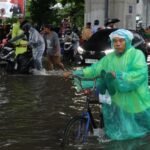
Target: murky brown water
{"x":34,"y":111}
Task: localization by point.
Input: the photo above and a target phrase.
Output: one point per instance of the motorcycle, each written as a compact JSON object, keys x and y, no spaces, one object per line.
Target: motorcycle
{"x":68,"y":52}
{"x":10,"y":63}
{"x":69,"y":48}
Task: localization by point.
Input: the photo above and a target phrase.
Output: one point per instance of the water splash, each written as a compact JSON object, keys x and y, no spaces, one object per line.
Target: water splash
{"x":44,"y":72}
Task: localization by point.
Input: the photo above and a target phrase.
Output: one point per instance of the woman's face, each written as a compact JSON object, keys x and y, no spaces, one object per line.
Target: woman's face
{"x":119,"y":44}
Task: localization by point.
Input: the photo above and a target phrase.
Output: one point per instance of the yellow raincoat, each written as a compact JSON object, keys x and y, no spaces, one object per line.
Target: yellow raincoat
{"x":21,"y":45}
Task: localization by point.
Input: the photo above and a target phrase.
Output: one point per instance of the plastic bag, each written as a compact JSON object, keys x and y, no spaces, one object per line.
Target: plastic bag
{"x":105,"y":98}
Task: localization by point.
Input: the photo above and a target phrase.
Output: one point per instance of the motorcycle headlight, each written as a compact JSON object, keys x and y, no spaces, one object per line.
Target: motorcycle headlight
{"x":148,"y":44}
{"x":80,"y":50}
{"x":107,"y":51}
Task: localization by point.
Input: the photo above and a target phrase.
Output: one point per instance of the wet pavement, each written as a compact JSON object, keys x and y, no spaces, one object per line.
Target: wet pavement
{"x":35,"y":109}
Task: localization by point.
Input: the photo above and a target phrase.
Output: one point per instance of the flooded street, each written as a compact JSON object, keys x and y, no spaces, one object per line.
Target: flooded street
{"x":34,"y":111}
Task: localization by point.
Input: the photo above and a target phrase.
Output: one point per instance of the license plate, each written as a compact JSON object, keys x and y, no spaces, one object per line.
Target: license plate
{"x":90,"y":61}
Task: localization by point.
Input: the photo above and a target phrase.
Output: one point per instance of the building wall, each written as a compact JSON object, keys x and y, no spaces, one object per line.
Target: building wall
{"x":125,"y":10}
{"x":94,"y":9}
{"x":146,"y":13}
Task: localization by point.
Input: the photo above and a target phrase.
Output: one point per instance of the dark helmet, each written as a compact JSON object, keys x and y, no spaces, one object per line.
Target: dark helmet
{"x":25,"y":26}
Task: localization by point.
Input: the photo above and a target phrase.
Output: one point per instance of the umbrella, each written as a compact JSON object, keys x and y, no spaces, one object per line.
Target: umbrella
{"x":110,"y":21}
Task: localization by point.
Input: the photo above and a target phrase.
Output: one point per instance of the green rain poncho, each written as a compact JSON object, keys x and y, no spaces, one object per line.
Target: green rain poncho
{"x":128,"y":115}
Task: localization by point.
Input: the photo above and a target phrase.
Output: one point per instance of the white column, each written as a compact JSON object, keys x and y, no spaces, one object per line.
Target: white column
{"x":125,"y":10}
{"x":94,"y":9}
{"x":146,"y":13}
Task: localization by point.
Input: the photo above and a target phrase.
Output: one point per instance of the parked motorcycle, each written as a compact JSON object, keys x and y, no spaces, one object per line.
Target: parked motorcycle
{"x":22,"y":64}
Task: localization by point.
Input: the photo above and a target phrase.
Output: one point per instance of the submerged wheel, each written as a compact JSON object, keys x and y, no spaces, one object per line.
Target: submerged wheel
{"x":76,"y":132}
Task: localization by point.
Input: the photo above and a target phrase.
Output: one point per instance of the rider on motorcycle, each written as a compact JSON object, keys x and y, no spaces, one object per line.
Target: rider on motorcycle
{"x":21,"y":44}
{"x":71,"y":42}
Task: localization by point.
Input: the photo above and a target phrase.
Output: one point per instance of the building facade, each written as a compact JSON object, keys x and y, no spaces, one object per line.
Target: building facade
{"x":125,"y":10}
{"x":143,"y":10}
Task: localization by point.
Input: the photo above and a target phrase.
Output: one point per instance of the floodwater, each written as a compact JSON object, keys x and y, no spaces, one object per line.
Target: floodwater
{"x":35,"y":109}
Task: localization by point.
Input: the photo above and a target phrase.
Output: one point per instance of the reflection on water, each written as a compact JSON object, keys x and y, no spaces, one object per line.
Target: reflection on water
{"x":34,"y":111}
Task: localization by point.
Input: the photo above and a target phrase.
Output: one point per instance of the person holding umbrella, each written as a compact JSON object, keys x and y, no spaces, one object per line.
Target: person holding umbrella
{"x":110,"y":23}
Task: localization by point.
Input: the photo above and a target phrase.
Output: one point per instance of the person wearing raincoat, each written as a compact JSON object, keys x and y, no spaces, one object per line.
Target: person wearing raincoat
{"x":21,"y":44}
{"x":36,"y":41}
{"x":124,"y":75}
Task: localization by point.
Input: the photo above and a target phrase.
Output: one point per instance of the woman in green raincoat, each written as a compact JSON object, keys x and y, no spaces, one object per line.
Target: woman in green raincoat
{"x":125,"y":75}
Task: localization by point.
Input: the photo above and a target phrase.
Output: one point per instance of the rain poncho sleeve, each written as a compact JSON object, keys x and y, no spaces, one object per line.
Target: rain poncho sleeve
{"x":128,"y":116}
{"x":132,"y":78}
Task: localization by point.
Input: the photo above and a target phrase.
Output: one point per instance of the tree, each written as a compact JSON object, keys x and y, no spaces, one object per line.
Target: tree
{"x":74,"y":9}
{"x":41,"y":11}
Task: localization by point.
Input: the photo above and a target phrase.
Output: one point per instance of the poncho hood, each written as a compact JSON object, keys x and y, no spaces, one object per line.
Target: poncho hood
{"x":122,"y":33}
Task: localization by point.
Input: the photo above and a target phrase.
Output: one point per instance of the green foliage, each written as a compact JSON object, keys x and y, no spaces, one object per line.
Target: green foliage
{"x":8,"y":20}
{"x":73,"y":9}
{"x":41,"y":11}
{"x":27,"y":9}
